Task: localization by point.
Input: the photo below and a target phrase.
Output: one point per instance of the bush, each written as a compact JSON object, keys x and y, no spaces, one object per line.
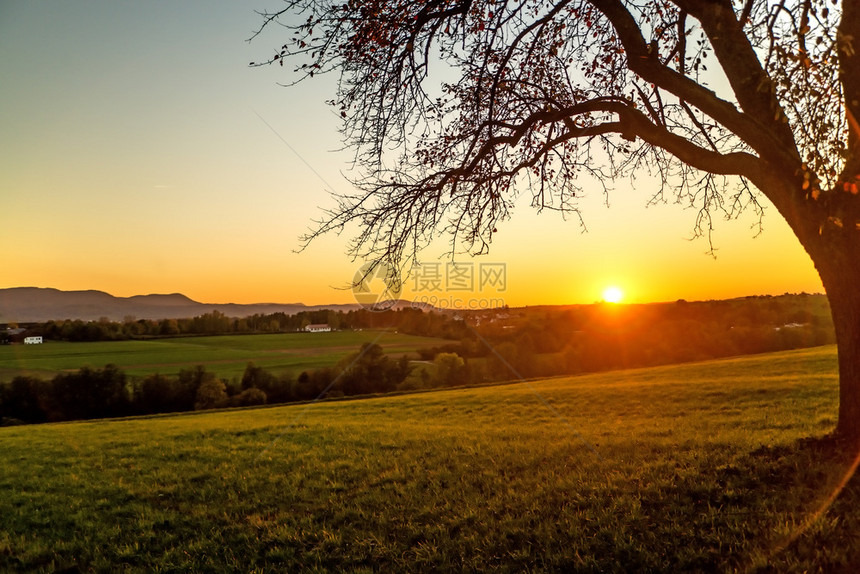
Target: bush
{"x":89,"y":394}
{"x":20,"y":400}
{"x":211,"y":394}
{"x":450,"y":370}
{"x":161,"y":394}
{"x":249,"y":397}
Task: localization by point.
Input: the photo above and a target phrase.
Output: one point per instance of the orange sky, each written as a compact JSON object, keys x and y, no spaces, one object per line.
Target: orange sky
{"x":139,"y":154}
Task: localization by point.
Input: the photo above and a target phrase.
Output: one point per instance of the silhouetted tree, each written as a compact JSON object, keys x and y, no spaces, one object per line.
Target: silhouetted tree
{"x":89,"y":393}
{"x":20,"y":400}
{"x":453,"y":105}
{"x":160,"y":394}
{"x":311,"y":384}
{"x":188,"y":383}
{"x":258,"y":377}
{"x":168,"y":327}
{"x":369,"y":371}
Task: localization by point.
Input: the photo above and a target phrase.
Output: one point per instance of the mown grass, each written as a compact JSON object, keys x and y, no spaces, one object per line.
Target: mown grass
{"x":714,"y":467}
{"x":226,"y":355}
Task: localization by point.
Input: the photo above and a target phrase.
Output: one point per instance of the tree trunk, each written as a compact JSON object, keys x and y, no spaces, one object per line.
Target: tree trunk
{"x":839,"y":267}
{"x":846,"y":319}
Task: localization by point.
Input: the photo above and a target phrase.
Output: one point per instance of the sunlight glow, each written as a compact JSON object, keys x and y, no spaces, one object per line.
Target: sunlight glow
{"x":613,"y":294}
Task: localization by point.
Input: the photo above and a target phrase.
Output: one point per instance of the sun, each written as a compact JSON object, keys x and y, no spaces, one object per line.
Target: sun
{"x":613,"y":294}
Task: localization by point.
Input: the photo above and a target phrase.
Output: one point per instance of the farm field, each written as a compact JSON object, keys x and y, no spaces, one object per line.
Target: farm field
{"x":712,"y":467}
{"x":227,"y":356}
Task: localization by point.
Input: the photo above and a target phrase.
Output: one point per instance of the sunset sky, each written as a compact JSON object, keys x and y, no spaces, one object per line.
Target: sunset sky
{"x":139,"y":153}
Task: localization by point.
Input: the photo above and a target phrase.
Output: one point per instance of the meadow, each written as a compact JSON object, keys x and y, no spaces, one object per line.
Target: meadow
{"x":718,"y":466}
{"x":226,"y":356}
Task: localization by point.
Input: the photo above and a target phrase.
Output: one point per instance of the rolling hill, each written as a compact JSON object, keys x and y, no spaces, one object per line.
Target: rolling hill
{"x":35,"y":304}
{"x":720,"y":466}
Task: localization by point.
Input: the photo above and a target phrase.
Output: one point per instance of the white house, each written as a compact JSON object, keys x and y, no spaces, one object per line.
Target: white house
{"x":318,"y":328}
{"x":32,"y":340}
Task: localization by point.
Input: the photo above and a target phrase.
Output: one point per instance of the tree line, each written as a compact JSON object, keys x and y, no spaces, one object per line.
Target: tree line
{"x":92,"y":393}
{"x":544,"y":341}
{"x":406,"y":320}
{"x":493,"y":345}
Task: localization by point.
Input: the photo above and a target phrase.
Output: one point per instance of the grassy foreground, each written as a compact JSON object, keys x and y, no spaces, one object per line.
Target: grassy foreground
{"x":700,"y":467}
{"x":225,"y":355}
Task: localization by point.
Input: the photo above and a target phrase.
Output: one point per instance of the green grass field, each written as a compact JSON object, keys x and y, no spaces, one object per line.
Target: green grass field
{"x":226,"y":356}
{"x":699,"y":467}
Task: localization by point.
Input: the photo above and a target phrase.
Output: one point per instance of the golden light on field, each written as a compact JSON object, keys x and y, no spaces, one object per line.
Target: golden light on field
{"x":613,"y":294}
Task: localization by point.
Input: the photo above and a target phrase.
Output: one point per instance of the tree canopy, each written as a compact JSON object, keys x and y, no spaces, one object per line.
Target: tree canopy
{"x":453,"y":107}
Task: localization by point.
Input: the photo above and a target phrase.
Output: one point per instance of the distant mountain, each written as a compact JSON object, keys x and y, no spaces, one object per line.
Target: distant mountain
{"x":36,"y":304}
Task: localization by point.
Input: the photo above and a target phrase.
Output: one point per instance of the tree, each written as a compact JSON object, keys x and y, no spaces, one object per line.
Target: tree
{"x":89,"y":394}
{"x":249,"y":397}
{"x":450,"y":370}
{"x":168,"y":327}
{"x":211,"y":394}
{"x":158,"y":393}
{"x":257,"y":377}
{"x":451,"y":105}
{"x":369,"y":371}
{"x":20,"y":399}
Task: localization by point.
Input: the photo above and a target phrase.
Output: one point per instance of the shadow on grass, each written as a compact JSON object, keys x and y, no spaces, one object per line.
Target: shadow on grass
{"x":793,"y":508}
{"x":807,"y":497}
{"x":817,"y":490}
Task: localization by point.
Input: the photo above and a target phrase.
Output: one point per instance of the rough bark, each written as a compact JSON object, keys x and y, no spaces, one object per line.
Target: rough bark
{"x":849,"y":77}
{"x":838,"y":263}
